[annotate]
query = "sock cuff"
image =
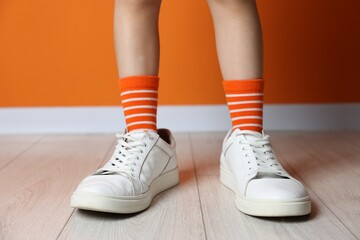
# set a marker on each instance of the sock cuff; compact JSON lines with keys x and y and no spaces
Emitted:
{"x":139,"y":82}
{"x":247,"y":85}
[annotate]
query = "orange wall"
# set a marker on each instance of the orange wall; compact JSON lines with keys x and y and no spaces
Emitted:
{"x":60,"y":53}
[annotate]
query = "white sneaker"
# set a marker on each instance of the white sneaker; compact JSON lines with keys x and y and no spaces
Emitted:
{"x":249,"y":167}
{"x":143,"y":164}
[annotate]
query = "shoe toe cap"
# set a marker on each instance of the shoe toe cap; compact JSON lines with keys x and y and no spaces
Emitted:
{"x":275,"y":189}
{"x":106,"y":185}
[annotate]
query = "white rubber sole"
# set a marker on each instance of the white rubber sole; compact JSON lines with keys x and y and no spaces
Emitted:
{"x":126,"y":204}
{"x":293,"y":207}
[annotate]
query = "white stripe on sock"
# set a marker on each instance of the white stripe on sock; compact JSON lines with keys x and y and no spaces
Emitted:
{"x":140,"y":115}
{"x":246,"y":117}
{"x":141,"y":122}
{"x":248,"y":125}
{"x":244,"y":95}
{"x":140,"y":106}
{"x":245,"y":110}
{"x":138,"y":99}
{"x":138,"y":91}
{"x":245,"y":102}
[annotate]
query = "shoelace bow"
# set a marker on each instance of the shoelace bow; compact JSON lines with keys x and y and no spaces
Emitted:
{"x":126,"y":155}
{"x":264,"y":156}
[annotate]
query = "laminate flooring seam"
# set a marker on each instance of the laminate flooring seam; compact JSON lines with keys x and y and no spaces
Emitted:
{"x":197,"y":183}
{"x":22,"y":152}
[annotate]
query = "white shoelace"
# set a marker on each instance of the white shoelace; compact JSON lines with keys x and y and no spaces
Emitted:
{"x":265,"y":158}
{"x":127,"y":154}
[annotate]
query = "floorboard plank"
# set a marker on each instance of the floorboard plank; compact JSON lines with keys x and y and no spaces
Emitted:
{"x":173,"y":214}
{"x":207,"y":149}
{"x":330,"y":165}
{"x":12,"y":146}
{"x":35,"y":188}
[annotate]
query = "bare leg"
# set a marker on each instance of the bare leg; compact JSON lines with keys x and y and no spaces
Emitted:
{"x":137,"y":48}
{"x":238,"y":38}
{"x":248,"y":148}
{"x":137,"y":37}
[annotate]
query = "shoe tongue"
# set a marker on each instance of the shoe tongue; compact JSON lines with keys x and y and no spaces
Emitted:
{"x":254,"y":136}
{"x":138,"y":134}
{"x":249,"y":135}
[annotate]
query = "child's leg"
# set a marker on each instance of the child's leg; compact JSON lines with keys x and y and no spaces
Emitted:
{"x":239,"y":48}
{"x":144,"y":161}
{"x":248,"y":164}
{"x":137,"y":50}
{"x":238,"y":38}
{"x":137,"y":37}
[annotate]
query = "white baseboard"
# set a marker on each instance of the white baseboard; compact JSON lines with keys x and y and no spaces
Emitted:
{"x":178,"y":118}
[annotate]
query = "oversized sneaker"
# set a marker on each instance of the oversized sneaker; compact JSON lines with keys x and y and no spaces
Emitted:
{"x":143,"y":164}
{"x":249,"y":167}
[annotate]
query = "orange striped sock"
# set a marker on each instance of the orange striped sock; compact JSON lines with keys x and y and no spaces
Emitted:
{"x":139,"y":95}
{"x":245,"y":103}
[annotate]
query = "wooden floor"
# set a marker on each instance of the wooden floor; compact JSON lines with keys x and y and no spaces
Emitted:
{"x":39,"y":172}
